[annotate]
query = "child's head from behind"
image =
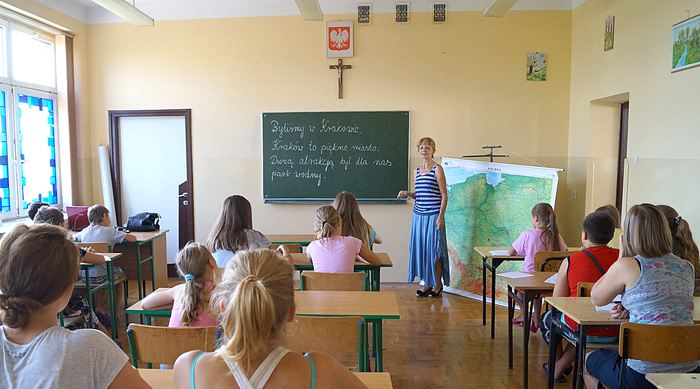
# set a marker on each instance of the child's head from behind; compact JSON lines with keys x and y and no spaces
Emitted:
{"x":346,"y":204}
{"x":34,"y":208}
{"x":353,"y":222}
{"x":49,"y":215}
{"x":237,"y":212}
{"x":228,"y":232}
{"x":192,"y":262}
{"x":600,"y":227}
{"x":646,"y":232}
{"x":38,"y":265}
{"x":256,"y":298}
{"x":327,"y":222}
{"x":612,"y":211}
{"x":97,"y":213}
{"x":544,"y":218}
{"x":683,"y":243}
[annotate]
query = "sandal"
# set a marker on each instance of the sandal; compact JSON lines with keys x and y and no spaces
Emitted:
{"x":423,"y":293}
{"x":432,"y":293}
{"x":557,"y":380}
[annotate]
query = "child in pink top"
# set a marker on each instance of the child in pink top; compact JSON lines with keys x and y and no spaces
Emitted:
{"x":543,"y":237}
{"x":332,"y":252}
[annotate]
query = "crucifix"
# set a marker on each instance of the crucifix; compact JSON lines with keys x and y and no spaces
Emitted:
{"x":340,"y":67}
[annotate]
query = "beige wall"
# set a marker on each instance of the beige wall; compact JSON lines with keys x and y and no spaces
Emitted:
{"x":463,"y":82}
{"x":663,"y":127}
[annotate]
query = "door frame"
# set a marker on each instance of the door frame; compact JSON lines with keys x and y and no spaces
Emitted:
{"x":115,"y":153}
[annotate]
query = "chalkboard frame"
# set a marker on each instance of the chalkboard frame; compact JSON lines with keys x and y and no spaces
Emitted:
{"x":326,"y":200}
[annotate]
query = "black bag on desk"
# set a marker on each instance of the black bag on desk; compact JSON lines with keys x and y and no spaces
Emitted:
{"x":142,"y":222}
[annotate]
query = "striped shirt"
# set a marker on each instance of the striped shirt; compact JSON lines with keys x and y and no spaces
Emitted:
{"x":428,"y":197}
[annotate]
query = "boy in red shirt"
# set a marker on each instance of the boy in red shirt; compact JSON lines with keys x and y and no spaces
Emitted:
{"x":587,"y":265}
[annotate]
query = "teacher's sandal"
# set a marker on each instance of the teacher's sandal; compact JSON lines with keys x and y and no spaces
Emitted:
{"x":423,"y":293}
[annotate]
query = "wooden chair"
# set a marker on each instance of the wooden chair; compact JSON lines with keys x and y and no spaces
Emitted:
{"x":91,"y":290}
{"x":655,"y":343}
{"x":311,"y":280}
{"x":293,"y":248}
{"x":583,"y":289}
{"x":550,"y":260}
{"x":696,"y":292}
{"x":156,"y":344}
{"x":343,"y":337}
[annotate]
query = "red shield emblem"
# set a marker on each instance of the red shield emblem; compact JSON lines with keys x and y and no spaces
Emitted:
{"x":339,"y":38}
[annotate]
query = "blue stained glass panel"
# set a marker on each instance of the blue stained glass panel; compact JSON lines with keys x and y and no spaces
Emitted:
{"x":38,"y":149}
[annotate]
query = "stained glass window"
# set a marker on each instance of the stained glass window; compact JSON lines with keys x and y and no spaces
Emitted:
{"x":37,"y":148}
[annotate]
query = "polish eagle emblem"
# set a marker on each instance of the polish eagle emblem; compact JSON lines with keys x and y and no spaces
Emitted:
{"x":339,"y":38}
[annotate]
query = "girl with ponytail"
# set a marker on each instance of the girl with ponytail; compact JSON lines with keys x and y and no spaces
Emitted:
{"x":544,"y":236}
{"x":256,"y":300}
{"x":190,"y":300}
{"x":332,"y":252}
{"x":683,"y":244}
{"x":38,"y":268}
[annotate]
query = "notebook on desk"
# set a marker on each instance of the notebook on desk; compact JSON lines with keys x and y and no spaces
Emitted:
{"x":77,"y":217}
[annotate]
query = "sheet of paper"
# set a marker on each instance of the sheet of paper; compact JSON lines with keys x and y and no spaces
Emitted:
{"x":552,"y":279}
{"x":514,"y":274}
{"x":499,"y":252}
{"x":610,"y":306}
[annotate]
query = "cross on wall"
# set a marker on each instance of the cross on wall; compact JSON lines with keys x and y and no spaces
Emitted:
{"x":340,"y":67}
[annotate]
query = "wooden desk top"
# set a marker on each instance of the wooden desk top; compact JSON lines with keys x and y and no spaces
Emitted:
{"x":370,"y":305}
{"x":301,"y":260}
{"x":582,"y":311}
{"x":674,"y":380}
{"x":142,"y":237}
{"x":536,"y":282}
{"x":162,"y":378}
{"x":485,"y":252}
{"x":303,"y":239}
{"x":136,"y":308}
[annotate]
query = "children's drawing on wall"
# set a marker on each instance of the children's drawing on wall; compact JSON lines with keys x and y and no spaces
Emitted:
{"x":536,"y":67}
{"x":686,"y":44}
{"x":609,"y":33}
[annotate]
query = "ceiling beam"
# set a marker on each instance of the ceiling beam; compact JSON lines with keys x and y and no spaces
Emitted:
{"x":498,"y":8}
{"x":126,"y":11}
{"x":309,"y":9}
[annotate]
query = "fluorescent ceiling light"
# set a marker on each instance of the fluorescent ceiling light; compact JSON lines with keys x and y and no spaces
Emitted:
{"x":126,"y":11}
{"x":310,"y":10}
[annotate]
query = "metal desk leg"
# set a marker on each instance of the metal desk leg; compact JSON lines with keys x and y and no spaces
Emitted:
{"x":554,"y":339}
{"x":138,"y":271}
{"x":153,"y":271}
{"x":582,"y":356}
{"x":528,"y":298}
{"x":511,"y":308}
{"x":111,"y":298}
{"x":379,"y":362}
{"x":495,"y":263}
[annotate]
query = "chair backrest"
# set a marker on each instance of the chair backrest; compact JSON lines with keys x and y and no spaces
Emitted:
{"x":656,"y":343}
{"x":583,"y":289}
{"x":550,"y":260}
{"x":342,"y":337}
{"x":696,"y":293}
{"x":99,"y":247}
{"x":156,"y":344}
{"x":293,"y":248}
{"x":311,"y":280}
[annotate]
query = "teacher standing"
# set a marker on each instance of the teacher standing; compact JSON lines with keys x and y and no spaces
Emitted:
{"x":428,"y":249}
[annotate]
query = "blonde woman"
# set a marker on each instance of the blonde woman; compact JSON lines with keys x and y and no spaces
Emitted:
{"x":256,"y":300}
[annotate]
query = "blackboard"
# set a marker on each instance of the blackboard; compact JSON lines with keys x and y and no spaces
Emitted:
{"x":309,"y":157}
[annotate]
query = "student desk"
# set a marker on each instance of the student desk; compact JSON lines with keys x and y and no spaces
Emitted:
{"x":302,"y":239}
{"x":163,"y":378}
{"x":583,"y":312}
{"x":301,"y":262}
{"x":149,"y":247}
{"x":496,"y":261}
{"x":372,"y":306}
{"x":674,"y":380}
{"x":531,"y":288}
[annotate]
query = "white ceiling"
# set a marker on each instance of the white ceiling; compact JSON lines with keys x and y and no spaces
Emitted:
{"x":89,"y":12}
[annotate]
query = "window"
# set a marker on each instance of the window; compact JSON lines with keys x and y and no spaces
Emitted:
{"x":28,"y":109}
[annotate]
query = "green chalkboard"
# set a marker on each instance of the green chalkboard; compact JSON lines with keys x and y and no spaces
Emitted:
{"x":309,"y":157}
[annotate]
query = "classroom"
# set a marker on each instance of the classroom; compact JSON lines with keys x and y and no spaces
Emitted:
{"x":463,"y":82}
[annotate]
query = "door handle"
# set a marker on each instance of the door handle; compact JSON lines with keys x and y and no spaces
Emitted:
{"x":183,"y":195}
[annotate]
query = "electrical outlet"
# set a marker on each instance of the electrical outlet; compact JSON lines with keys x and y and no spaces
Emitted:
{"x":574,"y":194}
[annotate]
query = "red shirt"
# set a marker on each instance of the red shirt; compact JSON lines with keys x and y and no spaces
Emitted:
{"x":582,"y":269}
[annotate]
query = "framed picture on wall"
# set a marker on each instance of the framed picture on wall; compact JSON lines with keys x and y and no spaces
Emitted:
{"x":537,"y":67}
{"x":609,"y":34}
{"x":339,"y":37}
{"x":685,"y":52}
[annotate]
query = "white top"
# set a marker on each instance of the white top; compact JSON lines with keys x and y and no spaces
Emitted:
{"x":262,"y":373}
{"x":96,"y":234}
{"x":256,"y":240}
{"x":59,"y":358}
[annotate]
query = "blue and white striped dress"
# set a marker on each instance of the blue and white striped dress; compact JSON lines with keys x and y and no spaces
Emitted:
{"x":428,"y":244}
